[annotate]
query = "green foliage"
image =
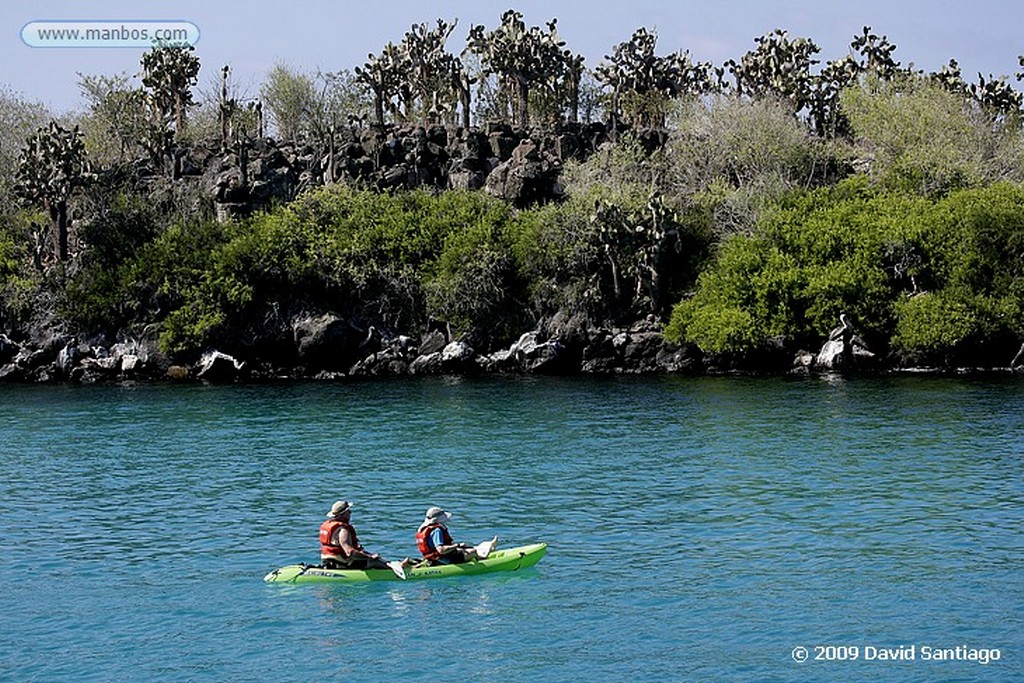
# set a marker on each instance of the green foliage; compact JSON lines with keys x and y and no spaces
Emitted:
{"x":927,"y":277}
{"x":289,"y":97}
{"x":170,"y":72}
{"x":975,"y":261}
{"x":820,"y":254}
{"x":395,"y":260}
{"x":387,"y":260}
{"x":167,"y":281}
{"x":303,"y":106}
{"x":21,"y":283}
{"x":736,"y":156}
{"x":99,"y":293}
{"x":474,"y":284}
{"x":117,"y":126}
{"x":614,"y":250}
{"x":935,"y":323}
{"x":14,"y":241}
{"x":918,"y":135}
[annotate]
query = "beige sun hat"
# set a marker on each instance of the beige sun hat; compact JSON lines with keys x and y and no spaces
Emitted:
{"x":436,"y":514}
{"x":339,"y":507}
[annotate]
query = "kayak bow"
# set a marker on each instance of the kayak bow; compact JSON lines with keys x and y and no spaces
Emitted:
{"x":508,"y":560}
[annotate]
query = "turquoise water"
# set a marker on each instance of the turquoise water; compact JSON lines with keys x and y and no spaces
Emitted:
{"x":699,"y":529}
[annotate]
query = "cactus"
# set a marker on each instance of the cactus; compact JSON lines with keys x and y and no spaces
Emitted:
{"x":877,"y":52}
{"x":433,"y":74}
{"x":951,"y":78}
{"x":825,"y":114}
{"x":777,"y":66}
{"x":50,"y":167}
{"x":170,"y":72}
{"x":522,"y":57}
{"x":996,"y":96}
{"x":383,"y":75}
{"x":636,"y":244}
{"x":633,"y":70}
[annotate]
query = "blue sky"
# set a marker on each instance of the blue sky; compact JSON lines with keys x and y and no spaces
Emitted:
{"x":984,"y":35}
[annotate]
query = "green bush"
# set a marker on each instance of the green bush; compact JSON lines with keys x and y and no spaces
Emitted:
{"x":920,"y":137}
{"x":934,"y":278}
{"x":935,"y":323}
{"x":166,"y":282}
{"x":21,"y":285}
{"x":737,"y":156}
{"x":975,"y":262}
{"x":474,"y":283}
{"x":618,"y":248}
{"x":819,"y":254}
{"x":390,"y":260}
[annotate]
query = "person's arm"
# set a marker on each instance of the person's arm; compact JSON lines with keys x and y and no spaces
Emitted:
{"x":345,"y":541}
{"x":437,"y":540}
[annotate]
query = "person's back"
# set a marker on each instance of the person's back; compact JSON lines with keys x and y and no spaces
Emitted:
{"x":435,"y":541}
{"x":340,"y":547}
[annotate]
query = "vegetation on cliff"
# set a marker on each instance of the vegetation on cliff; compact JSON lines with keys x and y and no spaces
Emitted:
{"x":767,"y":199}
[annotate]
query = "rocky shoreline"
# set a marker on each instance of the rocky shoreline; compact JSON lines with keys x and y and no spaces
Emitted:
{"x":325,"y":347}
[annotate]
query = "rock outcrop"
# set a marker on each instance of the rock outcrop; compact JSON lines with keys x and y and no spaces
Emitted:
{"x":519,"y":166}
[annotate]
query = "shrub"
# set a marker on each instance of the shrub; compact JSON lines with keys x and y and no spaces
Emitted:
{"x":389,"y":260}
{"x":942,"y":279}
{"x":817,"y":255}
{"x":920,"y":137}
{"x":738,"y":156}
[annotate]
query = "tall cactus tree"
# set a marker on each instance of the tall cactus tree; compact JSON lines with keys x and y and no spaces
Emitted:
{"x":431,"y":73}
{"x":637,"y":244}
{"x":877,"y":54}
{"x":633,"y":71}
{"x":951,"y":78}
{"x":170,"y":72}
{"x":574,"y":71}
{"x":996,"y":96}
{"x":777,"y":66}
{"x":461,"y":83}
{"x":52,"y":164}
{"x":521,"y":57}
{"x":383,"y":74}
{"x":825,"y":114}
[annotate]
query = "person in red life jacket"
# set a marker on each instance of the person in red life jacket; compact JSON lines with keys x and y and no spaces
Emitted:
{"x":340,"y":547}
{"x":435,"y":542}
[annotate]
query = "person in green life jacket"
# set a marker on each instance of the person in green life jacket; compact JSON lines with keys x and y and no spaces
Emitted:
{"x":340,"y":547}
{"x":435,"y":542}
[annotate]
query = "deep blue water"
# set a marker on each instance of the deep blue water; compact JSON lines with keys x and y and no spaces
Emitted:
{"x":698,"y":529}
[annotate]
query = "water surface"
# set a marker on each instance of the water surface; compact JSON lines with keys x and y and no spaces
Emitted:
{"x":699,"y":529}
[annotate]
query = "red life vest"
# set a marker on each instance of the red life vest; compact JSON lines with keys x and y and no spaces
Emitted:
{"x":423,"y":540}
{"x":327,"y":547}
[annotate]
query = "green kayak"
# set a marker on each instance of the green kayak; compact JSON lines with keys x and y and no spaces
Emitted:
{"x":509,"y":560}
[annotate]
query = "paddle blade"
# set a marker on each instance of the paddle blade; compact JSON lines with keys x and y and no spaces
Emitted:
{"x":486,"y":548}
{"x":397,"y":568}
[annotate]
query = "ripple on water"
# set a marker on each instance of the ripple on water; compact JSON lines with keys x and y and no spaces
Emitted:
{"x":701,"y":527}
